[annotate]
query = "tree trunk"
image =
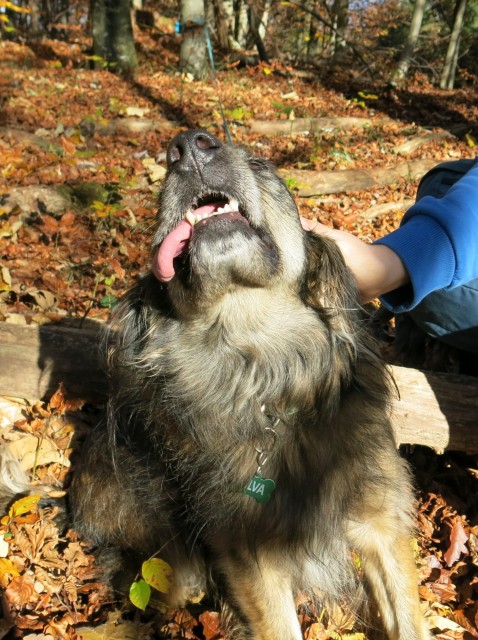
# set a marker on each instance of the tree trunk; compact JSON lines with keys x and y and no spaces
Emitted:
{"x":261,"y":50}
{"x":241,"y":26}
{"x":264,"y":21}
{"x":193,"y":56}
{"x":37,"y":28}
{"x":435,"y":410}
{"x":447,"y":79}
{"x":401,"y":71}
{"x":340,"y":16}
{"x":222,"y":18}
{"x":113,"y":40}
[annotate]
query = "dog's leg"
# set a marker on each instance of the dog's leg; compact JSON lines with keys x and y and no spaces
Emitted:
{"x":391,"y":573}
{"x":259,"y":588}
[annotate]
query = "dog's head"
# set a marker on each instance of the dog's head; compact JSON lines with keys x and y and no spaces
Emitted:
{"x":228,"y":223}
{"x":226,"y":219}
{"x":236,"y":276}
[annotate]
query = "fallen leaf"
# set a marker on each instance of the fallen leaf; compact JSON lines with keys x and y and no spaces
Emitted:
{"x":210,"y":622}
{"x":32,"y":451}
{"x":68,"y":146}
{"x":23,"y":505}
{"x":442,"y":624}
{"x":4,"y":546}
{"x":140,"y":594}
{"x":157,"y":573}
{"x":137,"y":111}
{"x":11,"y":410}
{"x":155,"y":171}
{"x":7,"y":571}
{"x":20,"y":591}
{"x":115,"y":629}
{"x":458,"y":540}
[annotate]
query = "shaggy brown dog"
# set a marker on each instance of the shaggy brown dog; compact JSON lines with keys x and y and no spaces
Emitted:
{"x":248,"y":437}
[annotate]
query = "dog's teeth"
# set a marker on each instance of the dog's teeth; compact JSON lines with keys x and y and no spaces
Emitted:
{"x":191,"y":218}
{"x":234,"y":205}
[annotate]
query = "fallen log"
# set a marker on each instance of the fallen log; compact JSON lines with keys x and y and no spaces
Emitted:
{"x":34,"y":359}
{"x":385,"y":208}
{"x":298,"y":126}
{"x":313,"y":183}
{"x":408,"y":147}
{"x":435,"y":410}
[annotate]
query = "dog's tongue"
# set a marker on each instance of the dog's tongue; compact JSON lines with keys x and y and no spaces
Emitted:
{"x":175,"y":244}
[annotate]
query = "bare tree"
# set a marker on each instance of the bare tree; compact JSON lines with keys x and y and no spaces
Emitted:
{"x":401,"y":71}
{"x":340,"y":16}
{"x":193,"y":57}
{"x":113,"y":40}
{"x":447,"y":79}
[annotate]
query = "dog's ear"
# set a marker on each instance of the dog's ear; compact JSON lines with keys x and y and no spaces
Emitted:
{"x":146,"y":304}
{"x":327,"y":283}
{"x":329,"y":288}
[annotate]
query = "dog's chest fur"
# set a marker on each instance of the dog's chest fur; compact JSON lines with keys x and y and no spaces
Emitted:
{"x":211,"y":375}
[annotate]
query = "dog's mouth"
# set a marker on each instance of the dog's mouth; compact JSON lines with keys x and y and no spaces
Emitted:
{"x":209,"y":208}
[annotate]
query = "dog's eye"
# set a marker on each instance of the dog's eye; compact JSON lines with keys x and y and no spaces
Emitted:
{"x":256,"y":164}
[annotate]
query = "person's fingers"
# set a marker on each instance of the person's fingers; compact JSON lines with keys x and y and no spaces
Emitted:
{"x":307,"y":224}
{"x":315,"y":226}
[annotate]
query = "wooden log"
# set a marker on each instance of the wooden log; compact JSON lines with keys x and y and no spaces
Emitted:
{"x":34,"y":359}
{"x":385,"y":208}
{"x":298,"y":126}
{"x":408,"y":147}
{"x":439,"y":411}
{"x":313,"y":183}
{"x":435,"y":410}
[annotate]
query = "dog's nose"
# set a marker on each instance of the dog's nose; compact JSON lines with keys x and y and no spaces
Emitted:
{"x":191,"y":150}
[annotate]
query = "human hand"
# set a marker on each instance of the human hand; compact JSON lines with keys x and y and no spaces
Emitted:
{"x":376,"y":268}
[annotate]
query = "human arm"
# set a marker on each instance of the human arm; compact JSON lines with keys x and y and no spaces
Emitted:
{"x":377,"y":269}
{"x":437,"y":245}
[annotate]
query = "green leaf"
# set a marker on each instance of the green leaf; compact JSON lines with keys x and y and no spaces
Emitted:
{"x":367,"y":96}
{"x":157,"y":573}
{"x":140,"y":594}
{"x":282,"y":108}
{"x":24,"y":505}
{"x":108,"y":302}
{"x":291,"y":183}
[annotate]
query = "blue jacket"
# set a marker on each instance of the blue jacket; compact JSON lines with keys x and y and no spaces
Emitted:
{"x":437,"y":242}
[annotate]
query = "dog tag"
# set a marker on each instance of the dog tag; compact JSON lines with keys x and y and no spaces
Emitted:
{"x":260,"y":488}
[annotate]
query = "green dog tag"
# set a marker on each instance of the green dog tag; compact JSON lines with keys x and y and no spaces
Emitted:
{"x":260,"y":489}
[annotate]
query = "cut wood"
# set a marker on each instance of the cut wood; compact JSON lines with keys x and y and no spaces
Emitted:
{"x":435,"y":410}
{"x":386,"y":208}
{"x":313,"y":183}
{"x":408,"y":147}
{"x":299,"y":126}
{"x":34,"y":359}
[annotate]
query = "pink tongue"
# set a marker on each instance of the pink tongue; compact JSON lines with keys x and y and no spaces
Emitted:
{"x":174,"y":244}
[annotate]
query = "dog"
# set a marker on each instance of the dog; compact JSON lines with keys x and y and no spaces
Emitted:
{"x":248,"y":439}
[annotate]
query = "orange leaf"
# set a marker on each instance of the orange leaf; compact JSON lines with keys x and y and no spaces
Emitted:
{"x":21,"y":591}
{"x":68,"y":147}
{"x":210,"y":623}
{"x":24,"y":505}
{"x":7,"y":571}
{"x":68,"y":218}
{"x":120,"y":272}
{"x":458,"y":538}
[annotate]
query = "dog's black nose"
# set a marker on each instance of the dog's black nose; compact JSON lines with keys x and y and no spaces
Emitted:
{"x":191,"y":150}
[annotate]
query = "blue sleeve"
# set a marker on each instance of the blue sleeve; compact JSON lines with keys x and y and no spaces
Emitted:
{"x":437,"y":242}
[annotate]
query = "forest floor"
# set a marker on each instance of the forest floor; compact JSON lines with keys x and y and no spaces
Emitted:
{"x":82,"y":156}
